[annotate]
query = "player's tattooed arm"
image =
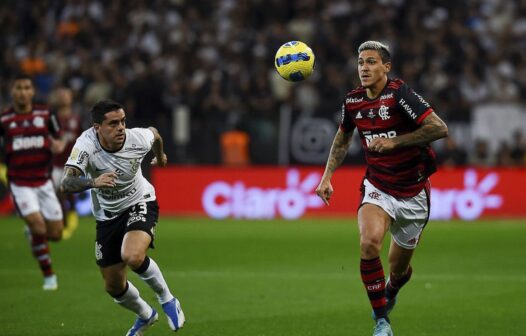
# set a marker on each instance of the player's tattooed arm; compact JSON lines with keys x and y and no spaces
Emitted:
{"x":74,"y":181}
{"x":431,"y":129}
{"x":339,"y":148}
{"x":160,"y":158}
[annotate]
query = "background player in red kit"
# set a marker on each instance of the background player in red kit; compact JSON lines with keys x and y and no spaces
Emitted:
{"x":61,"y":101}
{"x":27,"y":131}
{"x":395,"y":126}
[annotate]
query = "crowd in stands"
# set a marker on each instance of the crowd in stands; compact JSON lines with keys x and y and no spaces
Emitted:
{"x":214,"y":59}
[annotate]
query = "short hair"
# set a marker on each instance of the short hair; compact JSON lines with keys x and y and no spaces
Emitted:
{"x":382,"y":49}
{"x":22,"y":76}
{"x":101,"y":108}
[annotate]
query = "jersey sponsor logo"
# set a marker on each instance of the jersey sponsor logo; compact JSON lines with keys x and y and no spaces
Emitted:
{"x":134,"y":147}
{"x":12,"y":124}
{"x":387,"y":96}
{"x":22,"y":143}
{"x":407,"y":108}
{"x":82,"y":157}
{"x":383,"y":112}
{"x":387,"y":135}
{"x":421,"y":99}
{"x":113,"y":195}
{"x":358,"y":115}
{"x":353,"y":100}
{"x":38,"y":122}
{"x":375,"y":195}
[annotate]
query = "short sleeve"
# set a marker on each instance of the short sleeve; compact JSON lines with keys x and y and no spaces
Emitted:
{"x":79,"y":156}
{"x":145,"y":137}
{"x":413,"y":104}
{"x":346,"y":122}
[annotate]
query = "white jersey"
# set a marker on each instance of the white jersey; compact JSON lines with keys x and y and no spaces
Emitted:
{"x":131,"y":186}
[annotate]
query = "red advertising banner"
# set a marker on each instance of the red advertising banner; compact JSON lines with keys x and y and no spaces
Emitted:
{"x":269,"y":192}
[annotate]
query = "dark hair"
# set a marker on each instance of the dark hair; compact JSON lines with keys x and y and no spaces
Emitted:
{"x":382,"y":49}
{"x":101,"y":108}
{"x":22,"y":76}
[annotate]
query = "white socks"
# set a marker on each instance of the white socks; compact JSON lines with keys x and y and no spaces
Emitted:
{"x":132,"y":301}
{"x":154,"y":278}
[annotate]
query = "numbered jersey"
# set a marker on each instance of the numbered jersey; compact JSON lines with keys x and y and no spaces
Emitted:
{"x":93,"y":160}
{"x":27,"y":145}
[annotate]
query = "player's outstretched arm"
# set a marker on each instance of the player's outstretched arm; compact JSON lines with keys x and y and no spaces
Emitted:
{"x":160,"y":158}
{"x":73,"y":181}
{"x":339,"y":148}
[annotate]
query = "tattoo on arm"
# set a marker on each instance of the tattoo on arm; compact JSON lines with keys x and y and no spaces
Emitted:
{"x":339,"y":148}
{"x":431,"y":129}
{"x":73,"y":181}
{"x":157,"y":147}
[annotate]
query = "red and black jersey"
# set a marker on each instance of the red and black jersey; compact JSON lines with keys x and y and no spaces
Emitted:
{"x":396,"y":111}
{"x":26,"y":139}
{"x":70,"y":131}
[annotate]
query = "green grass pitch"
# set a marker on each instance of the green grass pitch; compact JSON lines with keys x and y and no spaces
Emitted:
{"x":278,"y":277}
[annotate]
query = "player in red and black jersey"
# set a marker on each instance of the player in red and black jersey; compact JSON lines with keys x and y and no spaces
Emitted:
{"x":30,"y":135}
{"x":396,"y":126}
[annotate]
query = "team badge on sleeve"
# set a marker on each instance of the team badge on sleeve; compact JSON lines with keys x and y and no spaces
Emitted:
{"x":74,"y":154}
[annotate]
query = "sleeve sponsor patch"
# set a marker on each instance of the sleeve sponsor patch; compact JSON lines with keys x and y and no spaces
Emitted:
{"x":83,"y":155}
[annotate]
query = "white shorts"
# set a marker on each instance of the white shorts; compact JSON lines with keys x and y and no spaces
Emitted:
{"x":410,"y":215}
{"x":56,"y":175}
{"x":43,"y":199}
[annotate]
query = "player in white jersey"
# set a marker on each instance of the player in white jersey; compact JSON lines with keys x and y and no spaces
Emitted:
{"x":107,"y":159}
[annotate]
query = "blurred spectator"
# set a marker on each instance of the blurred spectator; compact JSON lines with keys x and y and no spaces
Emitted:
{"x":481,"y":156}
{"x":234,"y":148}
{"x":215,"y":58}
{"x":518,"y":149}
{"x":452,"y":155}
{"x":504,"y":157}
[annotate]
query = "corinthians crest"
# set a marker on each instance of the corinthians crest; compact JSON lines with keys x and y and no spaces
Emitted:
{"x":383,"y":112}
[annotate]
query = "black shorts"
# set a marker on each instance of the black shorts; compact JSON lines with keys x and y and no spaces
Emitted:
{"x":141,"y":216}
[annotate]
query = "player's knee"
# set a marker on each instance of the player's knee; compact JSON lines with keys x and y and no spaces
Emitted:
{"x":133,"y":259}
{"x":370,"y":246}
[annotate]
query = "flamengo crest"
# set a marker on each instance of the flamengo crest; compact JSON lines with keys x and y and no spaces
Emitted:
{"x":383,"y":112}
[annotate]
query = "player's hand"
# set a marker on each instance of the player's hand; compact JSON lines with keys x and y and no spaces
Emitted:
{"x":106,"y":180}
{"x":324,"y":191}
{"x":160,"y":162}
{"x":57,"y":146}
{"x":382,"y":145}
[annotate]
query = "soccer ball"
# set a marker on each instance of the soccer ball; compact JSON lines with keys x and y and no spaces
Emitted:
{"x":294,"y":61}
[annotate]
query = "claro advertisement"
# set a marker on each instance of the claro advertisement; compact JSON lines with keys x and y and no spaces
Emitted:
{"x":271,"y":192}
